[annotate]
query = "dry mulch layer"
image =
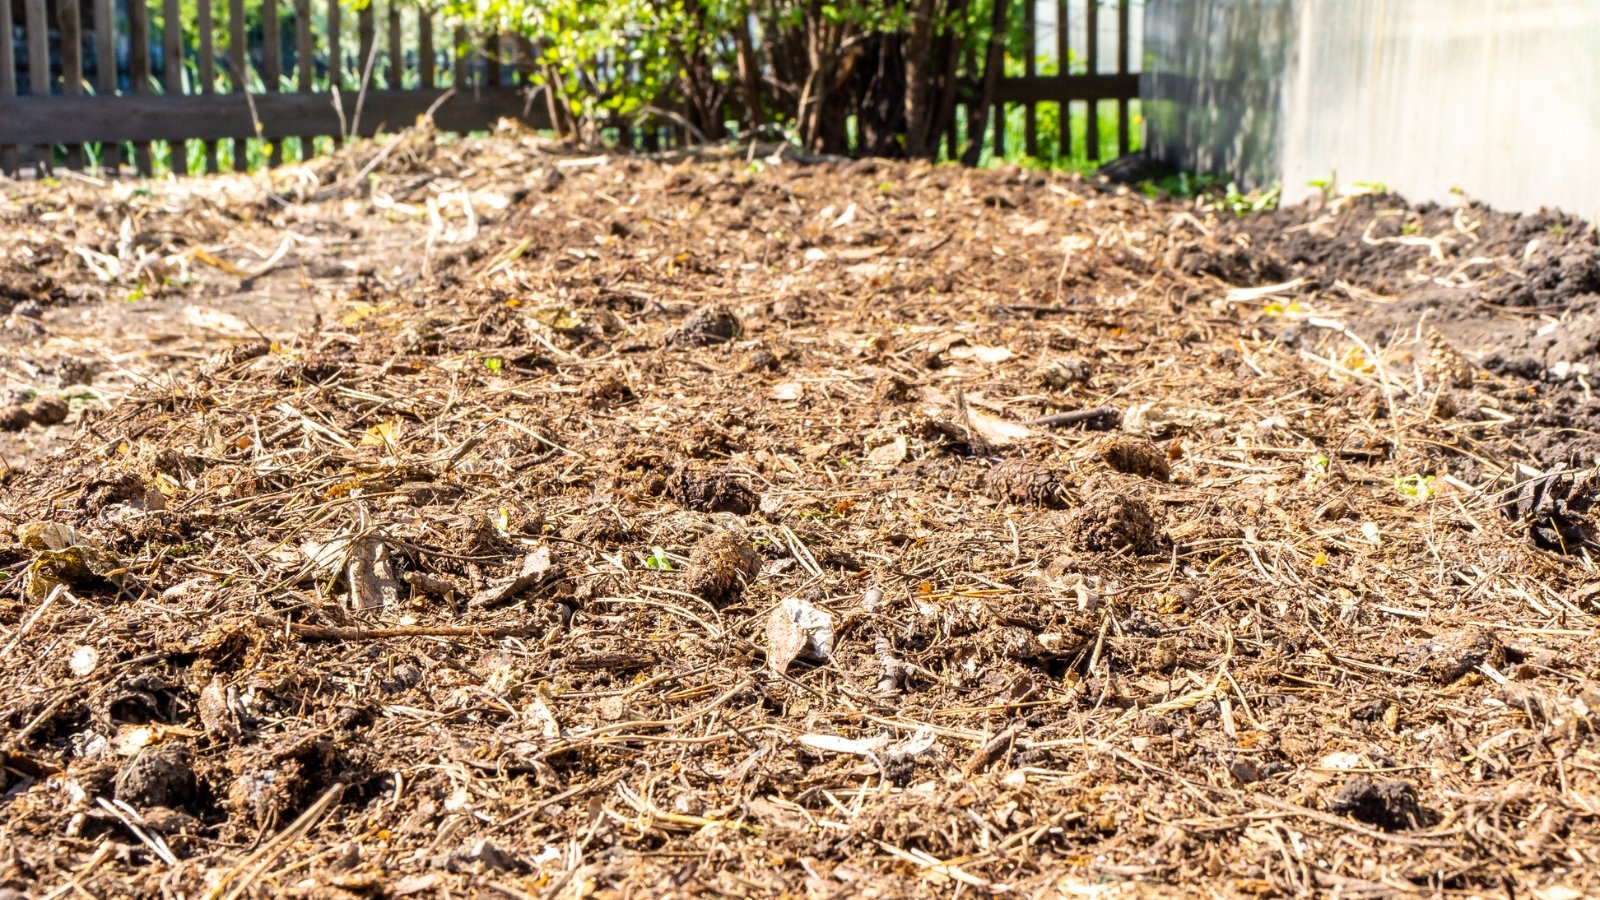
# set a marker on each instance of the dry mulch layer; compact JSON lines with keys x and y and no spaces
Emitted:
{"x":747,"y":526}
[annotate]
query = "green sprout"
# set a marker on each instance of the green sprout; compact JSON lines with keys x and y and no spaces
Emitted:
{"x":494,"y":364}
{"x":1415,"y":486}
{"x":1316,"y":468}
{"x":658,"y":560}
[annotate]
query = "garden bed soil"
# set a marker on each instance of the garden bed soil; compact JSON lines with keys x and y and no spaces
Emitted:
{"x":728,"y":524}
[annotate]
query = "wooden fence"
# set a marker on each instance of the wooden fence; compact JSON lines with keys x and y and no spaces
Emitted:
{"x":318,"y":83}
{"x":1092,"y":87}
{"x":112,"y":78}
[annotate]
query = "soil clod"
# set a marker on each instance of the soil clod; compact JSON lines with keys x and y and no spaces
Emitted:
{"x":1391,"y":805}
{"x":711,"y":324}
{"x":705,"y":487}
{"x":159,"y":775}
{"x":720,"y":566}
{"x":1026,"y":483}
{"x":1109,"y":521}
{"x":1134,"y":456}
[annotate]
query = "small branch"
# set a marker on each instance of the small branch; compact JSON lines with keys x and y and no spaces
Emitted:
{"x":1078,"y":417}
{"x":340,"y":633}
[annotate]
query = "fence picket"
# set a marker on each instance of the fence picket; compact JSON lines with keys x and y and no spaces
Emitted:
{"x":9,"y":158}
{"x":397,"y":50}
{"x":271,"y":64}
{"x":172,"y":83}
{"x":208,"y":68}
{"x":69,"y":24}
{"x":425,"y":60}
{"x":458,"y":53}
{"x":365,"y":62}
{"x":1030,"y":111}
{"x":38,"y":44}
{"x":1063,"y":69}
{"x":139,"y":71}
{"x":335,"y":48}
{"x":105,"y":73}
{"x":239,"y":62}
{"x":1091,"y":61}
{"x":1123,"y":39}
{"x":305,"y":65}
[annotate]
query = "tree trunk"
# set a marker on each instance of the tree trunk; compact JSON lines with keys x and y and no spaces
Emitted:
{"x":994,"y":62}
{"x":922,"y":141}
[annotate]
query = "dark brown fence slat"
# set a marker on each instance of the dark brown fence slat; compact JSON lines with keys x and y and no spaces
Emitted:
{"x":1063,"y":53}
{"x":208,"y":67}
{"x":9,"y":158}
{"x":335,"y":47}
{"x":38,"y":44}
{"x":365,"y":32}
{"x":105,"y":72}
{"x":271,"y":65}
{"x":139,"y":71}
{"x":1076,"y":87}
{"x":172,"y":83}
{"x":150,"y":117}
{"x":397,"y":50}
{"x":425,"y":58}
{"x":491,"y":60}
{"x":239,"y":62}
{"x":69,"y":23}
{"x":458,"y":52}
{"x":1030,"y":112}
{"x":1091,"y":60}
{"x":1123,"y":146}
{"x":305,"y":66}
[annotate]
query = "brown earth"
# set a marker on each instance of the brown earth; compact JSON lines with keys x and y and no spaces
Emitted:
{"x":712,"y":526}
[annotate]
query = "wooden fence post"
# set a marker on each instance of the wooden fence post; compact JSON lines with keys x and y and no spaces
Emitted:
{"x":305,"y":66}
{"x":239,"y":62}
{"x":9,"y":158}
{"x":38,"y":66}
{"x":1124,"y":147}
{"x":139,"y":71}
{"x":105,"y":74}
{"x":1091,"y":59}
{"x":271,"y":65}
{"x":69,"y":23}
{"x":208,"y":69}
{"x":172,"y":83}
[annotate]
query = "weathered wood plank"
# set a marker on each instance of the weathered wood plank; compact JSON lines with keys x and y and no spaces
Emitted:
{"x":69,"y":24}
{"x":335,"y":45}
{"x":1123,"y":38}
{"x":397,"y":49}
{"x":105,"y":72}
{"x":239,"y":62}
{"x":305,"y":66}
{"x":425,"y":60}
{"x":1091,"y":60}
{"x":272,"y":66}
{"x":150,"y":117}
{"x":1071,"y":87}
{"x":38,"y":44}
{"x":491,"y":60}
{"x":139,"y":71}
{"x":1030,"y":113}
{"x":205,"y":24}
{"x":458,"y":52}
{"x":10,"y":159}
{"x":368,"y":44}
{"x":1063,"y":54}
{"x":172,"y":80}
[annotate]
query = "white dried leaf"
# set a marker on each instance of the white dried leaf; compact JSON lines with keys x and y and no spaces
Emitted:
{"x":795,"y":630}
{"x":84,"y":661}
